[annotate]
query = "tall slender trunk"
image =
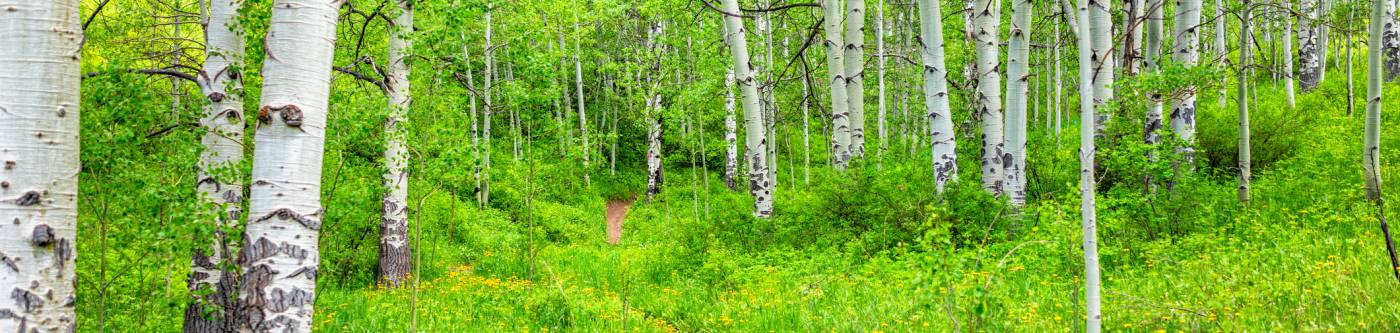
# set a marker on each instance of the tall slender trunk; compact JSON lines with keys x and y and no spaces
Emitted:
{"x":806,"y":127}
{"x":940,"y":115}
{"x":656,"y":176}
{"x":1351,"y":82}
{"x":836,"y":71}
{"x":475,"y":131}
{"x":855,"y":73}
{"x":395,"y":262}
{"x":582,"y":114}
{"x":1087,"y":209}
{"x":1309,"y":58}
{"x":282,"y":256}
{"x":1060,"y":71}
{"x":1245,"y":62}
{"x":759,"y":184}
{"x":42,"y":43}
{"x":987,"y":24}
{"x":1186,"y":51}
{"x":1324,"y":32}
{"x":1132,"y":40}
{"x":1371,"y":156}
{"x":484,"y":192}
{"x":731,"y":138}
{"x":1152,"y":125}
{"x":880,"y":77}
{"x":1221,"y":49}
{"x":1101,"y":39}
{"x":1018,"y":76}
{"x":1288,"y":53}
{"x":212,"y":283}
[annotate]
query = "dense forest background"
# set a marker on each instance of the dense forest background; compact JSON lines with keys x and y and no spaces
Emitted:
{"x":871,"y":247}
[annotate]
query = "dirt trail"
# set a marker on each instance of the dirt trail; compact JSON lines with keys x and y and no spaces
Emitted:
{"x":617,"y":211}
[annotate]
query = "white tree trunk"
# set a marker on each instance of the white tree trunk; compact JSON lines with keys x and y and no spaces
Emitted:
{"x":1288,"y":93}
{"x":940,"y":115}
{"x":1371,"y":152}
{"x":1309,"y":49}
{"x":855,"y":73}
{"x":1087,"y":210}
{"x":986,"y":25}
{"x":1060,"y":71}
{"x":880,"y":77}
{"x":582,"y":114}
{"x":1243,"y":102}
{"x":836,"y":71}
{"x":1186,"y":51}
{"x":1390,"y":39}
{"x":1101,"y":39}
{"x":731,"y":138}
{"x":484,"y":191}
{"x":1018,"y":76}
{"x":395,"y":262}
{"x":1152,"y":57}
{"x":759,"y":184}
{"x":39,"y":108}
{"x":806,"y":128}
{"x":281,"y":258}
{"x":1221,"y":49}
{"x":655,"y":173}
{"x":1324,"y":33}
{"x":475,"y":131}
{"x":211,"y":286}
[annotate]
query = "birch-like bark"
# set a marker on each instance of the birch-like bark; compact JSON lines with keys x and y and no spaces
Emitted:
{"x":1101,"y":38}
{"x":1221,"y":49}
{"x":582,"y":114}
{"x":1152,"y":56}
{"x":1324,"y":37}
{"x":1087,"y":208}
{"x":655,"y":173}
{"x":1390,"y":38}
{"x":281,"y":258}
{"x":40,"y":75}
{"x":806,"y":127}
{"x":1309,"y":58}
{"x":395,"y":261}
{"x":880,"y":77}
{"x":212,"y":284}
{"x":1060,"y":71}
{"x":731,"y":138}
{"x":1243,"y":102}
{"x":1347,"y":40}
{"x":1132,"y":40}
{"x":836,"y":71}
{"x":1018,"y":75}
{"x":855,"y":73}
{"x":475,"y":131}
{"x":986,"y":25}
{"x":755,"y":142}
{"x":940,"y":115}
{"x":1186,"y":51}
{"x":1288,"y":92}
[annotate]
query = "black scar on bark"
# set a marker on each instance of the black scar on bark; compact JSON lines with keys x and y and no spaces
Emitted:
{"x":283,"y":300}
{"x":288,"y":214}
{"x":28,"y":199}
{"x":216,"y":97}
{"x":254,"y":281}
{"x":26,"y":300}
{"x":42,"y":235}
{"x":290,"y":113}
{"x":64,"y":252}
{"x":9,"y":262}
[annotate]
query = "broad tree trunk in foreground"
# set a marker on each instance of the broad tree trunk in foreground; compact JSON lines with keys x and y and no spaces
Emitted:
{"x":42,"y":42}
{"x":1243,"y":102}
{"x":211,"y":283}
{"x":395,"y":262}
{"x":1087,"y":212}
{"x":731,"y":138}
{"x":1186,"y":51}
{"x":1371,"y":154}
{"x":281,"y":257}
{"x":940,"y":115}
{"x":755,"y":143}
{"x":855,"y":73}
{"x":836,"y":72}
{"x":1018,"y":75}
{"x":986,"y":25}
{"x":1390,"y":39}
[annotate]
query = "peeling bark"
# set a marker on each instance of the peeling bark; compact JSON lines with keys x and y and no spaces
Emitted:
{"x":281,"y":259}
{"x":42,"y":49}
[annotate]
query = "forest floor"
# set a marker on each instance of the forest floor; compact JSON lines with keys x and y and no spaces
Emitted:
{"x":617,"y":211}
